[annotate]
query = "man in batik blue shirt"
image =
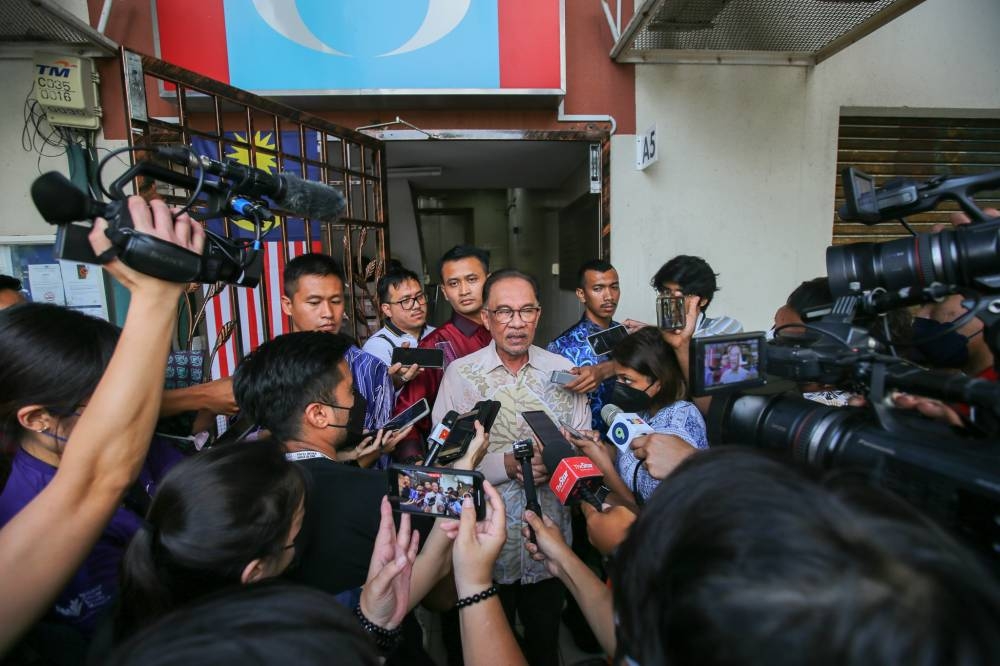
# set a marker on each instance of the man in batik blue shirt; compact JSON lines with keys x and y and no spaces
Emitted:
{"x":599,"y":292}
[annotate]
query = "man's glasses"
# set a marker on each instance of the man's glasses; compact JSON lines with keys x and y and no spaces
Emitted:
{"x":527,"y":314}
{"x":410,"y":302}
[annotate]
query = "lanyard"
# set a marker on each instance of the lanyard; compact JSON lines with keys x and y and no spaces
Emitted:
{"x":305,"y":455}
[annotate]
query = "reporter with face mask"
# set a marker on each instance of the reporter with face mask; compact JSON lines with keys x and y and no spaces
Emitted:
{"x":649,"y":383}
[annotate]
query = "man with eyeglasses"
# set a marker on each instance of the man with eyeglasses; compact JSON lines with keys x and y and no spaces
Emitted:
{"x":403,"y":302}
{"x":463,"y":272}
{"x":516,"y":373}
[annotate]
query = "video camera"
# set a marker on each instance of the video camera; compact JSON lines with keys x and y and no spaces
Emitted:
{"x":225,"y":188}
{"x":951,"y":473}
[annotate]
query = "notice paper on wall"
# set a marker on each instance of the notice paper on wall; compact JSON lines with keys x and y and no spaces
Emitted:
{"x":46,"y":284}
{"x":84,"y":288}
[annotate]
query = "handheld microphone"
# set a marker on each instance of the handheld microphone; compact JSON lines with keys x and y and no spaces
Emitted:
{"x":439,"y":436}
{"x":307,"y":198}
{"x":623,"y":427}
{"x":572,"y":477}
{"x":524,"y":451}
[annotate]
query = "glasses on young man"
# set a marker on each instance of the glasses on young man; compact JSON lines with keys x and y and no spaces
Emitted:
{"x":410,"y":302}
{"x":528,"y":314}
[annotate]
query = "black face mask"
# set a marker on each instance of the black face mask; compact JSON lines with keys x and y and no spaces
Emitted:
{"x":356,"y":417}
{"x":629,"y":399}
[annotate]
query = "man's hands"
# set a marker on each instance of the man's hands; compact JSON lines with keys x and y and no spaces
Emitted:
{"x":478,"y":447}
{"x":374,"y":447}
{"x":401,"y":374}
{"x":155,"y":220}
{"x":660,"y":453}
{"x":538,"y":470}
{"x":589,"y":377}
{"x":385,"y":597}
{"x":477,"y":545}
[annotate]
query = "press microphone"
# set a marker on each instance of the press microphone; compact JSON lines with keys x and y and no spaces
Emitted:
{"x":572,"y":477}
{"x":439,"y":436}
{"x":295,"y":195}
{"x":623,"y":426}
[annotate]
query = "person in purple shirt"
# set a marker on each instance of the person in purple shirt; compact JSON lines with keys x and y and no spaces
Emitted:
{"x":55,"y":357}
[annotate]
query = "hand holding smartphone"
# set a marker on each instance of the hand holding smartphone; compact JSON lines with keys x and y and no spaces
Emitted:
{"x":425,"y":358}
{"x":436,"y":492}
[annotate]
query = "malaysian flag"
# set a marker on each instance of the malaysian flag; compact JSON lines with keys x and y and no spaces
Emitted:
{"x":253,"y":331}
{"x":258,"y":310}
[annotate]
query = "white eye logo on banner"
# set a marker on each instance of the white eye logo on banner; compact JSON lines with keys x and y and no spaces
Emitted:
{"x":284,"y":18}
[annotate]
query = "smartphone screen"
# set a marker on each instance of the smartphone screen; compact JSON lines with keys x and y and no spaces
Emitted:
{"x":425,"y":358}
{"x":571,"y":430}
{"x":602,"y":343}
{"x":543,"y":427}
{"x":436,"y":492}
{"x":409,"y":416}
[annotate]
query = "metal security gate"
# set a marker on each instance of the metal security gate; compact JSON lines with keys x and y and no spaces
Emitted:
{"x":918,"y":149}
{"x":170,"y":105}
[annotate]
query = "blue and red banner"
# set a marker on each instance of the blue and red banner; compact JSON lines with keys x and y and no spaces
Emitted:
{"x":324,"y":46}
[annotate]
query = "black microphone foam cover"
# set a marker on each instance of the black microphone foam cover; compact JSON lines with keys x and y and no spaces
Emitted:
{"x":60,"y":201}
{"x":311,"y":199}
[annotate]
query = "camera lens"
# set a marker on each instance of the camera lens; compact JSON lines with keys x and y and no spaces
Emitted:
{"x":964,"y":256}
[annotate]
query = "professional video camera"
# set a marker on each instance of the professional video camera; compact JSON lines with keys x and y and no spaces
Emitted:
{"x":217,"y":189}
{"x":951,"y":473}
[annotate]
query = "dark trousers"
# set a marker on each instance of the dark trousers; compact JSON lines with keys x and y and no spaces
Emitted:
{"x":539,"y":606}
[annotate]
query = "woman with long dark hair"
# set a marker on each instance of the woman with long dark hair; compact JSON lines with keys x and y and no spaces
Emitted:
{"x":649,"y":383}
{"x":52,"y":403}
{"x":52,"y":359}
{"x":224,"y":517}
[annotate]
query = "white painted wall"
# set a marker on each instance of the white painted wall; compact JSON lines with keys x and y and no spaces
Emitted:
{"x":18,"y":168}
{"x":748,"y":153}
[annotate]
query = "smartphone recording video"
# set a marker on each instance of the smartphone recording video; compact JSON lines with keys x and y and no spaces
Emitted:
{"x":727,"y":362}
{"x":436,"y":492}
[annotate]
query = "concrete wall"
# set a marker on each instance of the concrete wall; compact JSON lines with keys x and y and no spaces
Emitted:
{"x":748,"y":153}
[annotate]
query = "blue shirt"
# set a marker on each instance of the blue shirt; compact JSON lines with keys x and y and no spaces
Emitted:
{"x":572,"y":344}
{"x":371,"y":379}
{"x":681,"y":419}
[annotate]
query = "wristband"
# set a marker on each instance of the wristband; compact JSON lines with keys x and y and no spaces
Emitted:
{"x":476,"y":598}
{"x":385,"y":639}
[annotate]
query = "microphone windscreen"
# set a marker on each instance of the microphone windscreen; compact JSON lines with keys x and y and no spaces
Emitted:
{"x":60,"y":201}
{"x":311,"y":199}
{"x":609,"y":412}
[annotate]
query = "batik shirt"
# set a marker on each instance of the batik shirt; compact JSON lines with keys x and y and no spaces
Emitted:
{"x":371,"y":378}
{"x":482,"y":376}
{"x":572,"y":344}
{"x":681,"y":419}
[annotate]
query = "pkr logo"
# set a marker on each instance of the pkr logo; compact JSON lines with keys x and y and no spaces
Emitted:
{"x":51,"y":70}
{"x":442,"y":17}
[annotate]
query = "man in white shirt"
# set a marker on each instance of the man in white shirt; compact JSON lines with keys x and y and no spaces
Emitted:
{"x":404,"y":305}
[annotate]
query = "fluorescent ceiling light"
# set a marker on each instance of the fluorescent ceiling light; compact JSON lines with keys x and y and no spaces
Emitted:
{"x":414,"y":172}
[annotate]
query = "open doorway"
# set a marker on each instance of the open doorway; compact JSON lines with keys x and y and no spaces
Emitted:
{"x":529,"y":202}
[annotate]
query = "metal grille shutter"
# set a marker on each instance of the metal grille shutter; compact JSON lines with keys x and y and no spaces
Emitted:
{"x":917,"y":148}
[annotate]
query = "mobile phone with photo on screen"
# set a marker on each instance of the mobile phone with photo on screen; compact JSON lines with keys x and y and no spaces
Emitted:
{"x":436,"y":492}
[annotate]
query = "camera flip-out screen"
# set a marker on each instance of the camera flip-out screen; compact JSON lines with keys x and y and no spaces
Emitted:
{"x":727,"y":362}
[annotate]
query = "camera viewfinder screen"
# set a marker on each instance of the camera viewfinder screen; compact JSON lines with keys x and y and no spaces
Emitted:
{"x":864,"y":193}
{"x":435,"y":493}
{"x":731,"y":362}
